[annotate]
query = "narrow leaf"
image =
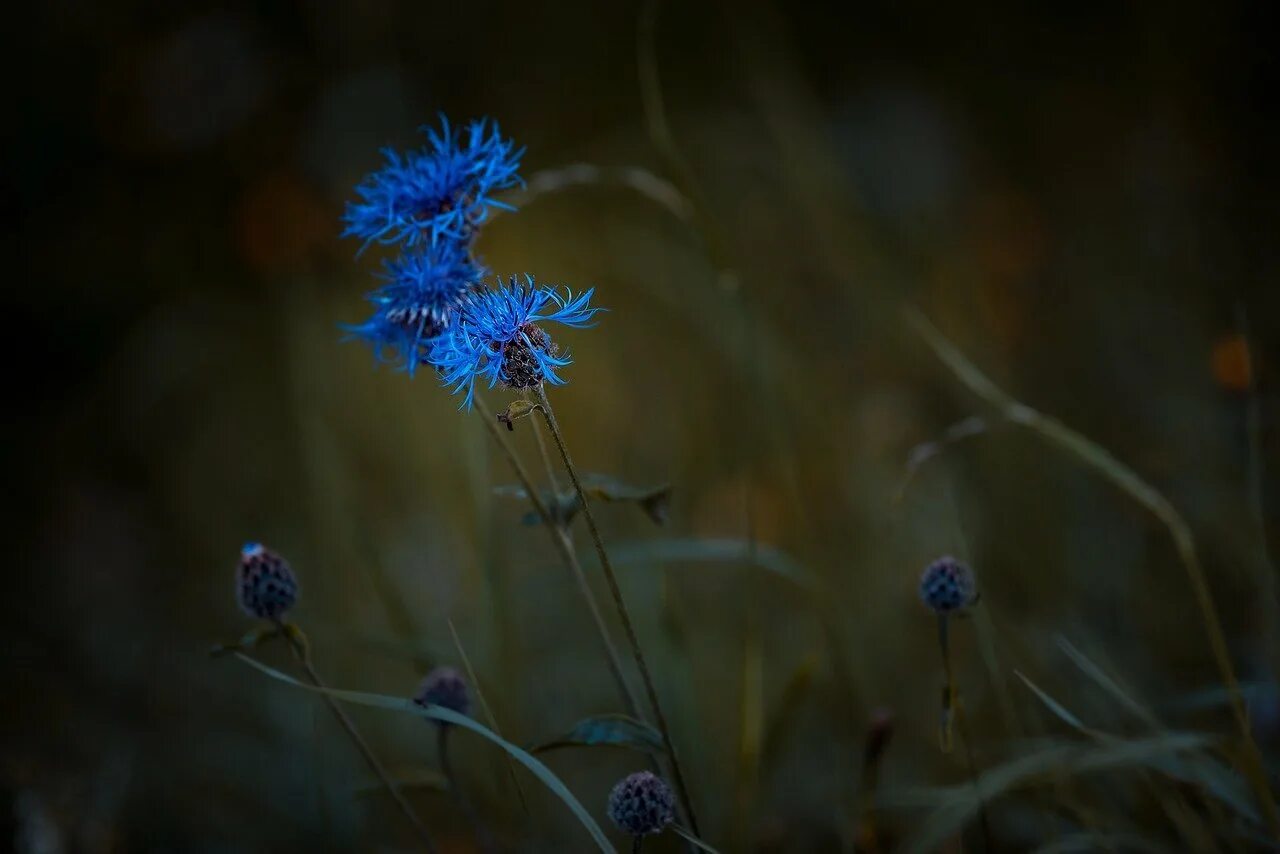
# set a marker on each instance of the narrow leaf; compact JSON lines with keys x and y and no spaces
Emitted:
{"x":957,"y":805}
{"x":688,"y":836}
{"x":609,"y":731}
{"x":439,"y":713}
{"x":1053,"y":705}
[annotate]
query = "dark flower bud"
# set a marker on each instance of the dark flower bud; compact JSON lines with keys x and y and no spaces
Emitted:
{"x":947,"y":586}
{"x":642,"y":803}
{"x":265,"y":585}
{"x":445,"y":687}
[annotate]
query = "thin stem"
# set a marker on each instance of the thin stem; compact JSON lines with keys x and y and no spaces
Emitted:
{"x":636,"y":842}
{"x":624,"y":615}
{"x":304,"y":658}
{"x":483,"y":839}
{"x":956,"y":710}
{"x":565,"y":547}
{"x":488,"y":711}
{"x":1099,"y":459}
{"x":552,"y":483}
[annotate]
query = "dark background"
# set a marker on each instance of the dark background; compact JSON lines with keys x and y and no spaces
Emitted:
{"x":1083,"y":197}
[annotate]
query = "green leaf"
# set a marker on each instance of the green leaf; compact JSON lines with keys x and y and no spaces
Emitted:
{"x":608,"y":731}
{"x":439,"y":713}
{"x":715,"y":550}
{"x":517,"y":410}
{"x":654,"y":501}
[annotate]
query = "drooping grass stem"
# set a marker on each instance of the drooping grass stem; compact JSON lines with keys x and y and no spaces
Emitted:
{"x":560,"y":539}
{"x":624,"y":615}
{"x":303,"y":655}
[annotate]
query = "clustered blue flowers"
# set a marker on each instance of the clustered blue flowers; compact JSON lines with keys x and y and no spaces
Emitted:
{"x":435,"y":307}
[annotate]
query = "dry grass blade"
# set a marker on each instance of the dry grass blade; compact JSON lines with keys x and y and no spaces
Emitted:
{"x":1128,"y":480}
{"x":1198,"y":769}
{"x":1059,"y":710}
{"x":956,"y":805}
{"x":1107,"y":684}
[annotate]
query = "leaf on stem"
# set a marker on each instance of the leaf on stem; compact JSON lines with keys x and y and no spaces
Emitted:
{"x":607,"y":731}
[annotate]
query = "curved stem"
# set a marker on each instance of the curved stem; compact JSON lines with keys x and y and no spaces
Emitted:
{"x":483,"y":839}
{"x":560,"y":539}
{"x":304,"y":658}
{"x":623,"y":614}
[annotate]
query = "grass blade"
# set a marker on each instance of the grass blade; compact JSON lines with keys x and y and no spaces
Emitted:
{"x":438,"y":713}
{"x":957,"y":805}
{"x":688,"y":836}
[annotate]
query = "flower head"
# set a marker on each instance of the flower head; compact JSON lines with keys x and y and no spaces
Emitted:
{"x":445,"y":687}
{"x":642,"y":803}
{"x":442,"y":190}
{"x":417,"y":304}
{"x":947,"y":585}
{"x":265,"y":585}
{"x":497,"y":336}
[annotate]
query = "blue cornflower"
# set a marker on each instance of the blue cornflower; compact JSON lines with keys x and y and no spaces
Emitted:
{"x":423,"y":291}
{"x":439,"y":191}
{"x":496,"y":336}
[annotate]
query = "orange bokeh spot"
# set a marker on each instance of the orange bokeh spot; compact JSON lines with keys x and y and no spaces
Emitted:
{"x":1231,"y":363}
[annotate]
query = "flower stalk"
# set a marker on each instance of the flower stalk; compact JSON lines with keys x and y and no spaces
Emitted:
{"x":560,"y":539}
{"x":624,"y":615}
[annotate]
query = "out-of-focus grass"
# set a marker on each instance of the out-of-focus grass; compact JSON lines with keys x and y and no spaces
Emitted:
{"x":1077,"y":238}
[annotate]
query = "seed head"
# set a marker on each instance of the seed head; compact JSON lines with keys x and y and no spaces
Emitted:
{"x":444,"y":686}
{"x":642,"y":803}
{"x":265,"y":585}
{"x":947,"y":585}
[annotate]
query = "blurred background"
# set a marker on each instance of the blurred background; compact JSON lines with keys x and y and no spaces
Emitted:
{"x":1083,"y":198}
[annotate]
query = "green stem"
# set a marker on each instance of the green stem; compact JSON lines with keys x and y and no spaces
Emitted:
{"x":1099,"y":459}
{"x":560,"y":539}
{"x":304,"y":658}
{"x":624,"y":615}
